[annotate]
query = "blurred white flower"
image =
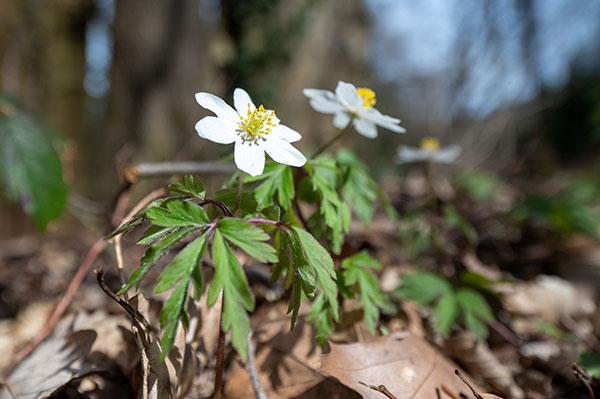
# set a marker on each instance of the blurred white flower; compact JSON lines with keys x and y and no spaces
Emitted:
{"x":428,"y":151}
{"x":253,"y":130}
{"x":351,"y":104}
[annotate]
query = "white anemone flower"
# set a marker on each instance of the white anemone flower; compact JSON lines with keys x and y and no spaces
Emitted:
{"x":253,"y":130}
{"x":429,"y":150}
{"x":349,"y":103}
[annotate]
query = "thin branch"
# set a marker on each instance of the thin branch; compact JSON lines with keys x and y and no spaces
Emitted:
{"x":467,"y":383}
{"x":259,"y":391}
{"x":581,"y":376}
{"x":134,"y":173}
{"x":335,"y":138}
{"x":380,"y":388}
{"x":60,"y":308}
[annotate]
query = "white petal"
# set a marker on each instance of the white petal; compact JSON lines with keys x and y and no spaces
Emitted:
{"x":215,"y":129}
{"x":249,"y":157}
{"x":323,"y":101}
{"x":447,"y":154}
{"x":241,"y":101}
{"x":385,"y":121}
{"x":286,"y":133}
{"x":341,"y":119}
{"x":348,"y":96}
{"x":318,"y":93}
{"x":216,"y":105}
{"x":283,"y":152}
{"x":410,"y":154}
{"x":366,"y":128}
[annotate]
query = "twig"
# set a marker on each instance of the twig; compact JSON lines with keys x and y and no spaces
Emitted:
{"x":380,"y":388}
{"x":259,"y":391}
{"x":117,"y":240}
{"x":449,"y":392}
{"x":134,"y":173}
{"x":220,"y":353}
{"x":62,"y":305}
{"x":581,"y":376}
{"x":467,"y":383}
{"x":335,"y":138}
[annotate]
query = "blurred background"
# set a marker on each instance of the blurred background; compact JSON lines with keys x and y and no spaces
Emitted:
{"x":516,"y":83}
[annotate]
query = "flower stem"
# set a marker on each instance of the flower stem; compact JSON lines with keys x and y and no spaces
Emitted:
{"x":328,"y":144}
{"x":238,"y":198}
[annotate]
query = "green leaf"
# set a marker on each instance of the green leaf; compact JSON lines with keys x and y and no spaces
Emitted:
{"x":590,"y":361}
{"x":423,"y":287}
{"x":30,"y":169}
{"x":228,"y":196}
{"x":276,"y":177}
{"x":188,"y":185}
{"x":359,"y":189}
{"x":358,"y":271}
{"x":138,"y":218}
{"x":322,"y":314}
{"x":170,"y":315}
{"x":237,"y":297}
{"x":248,"y":237}
{"x":476,"y":311}
{"x":183,"y":265}
{"x":445,"y":313}
{"x":153,"y":254}
{"x":320,"y":261}
{"x":155,"y":233}
{"x":178,"y":213}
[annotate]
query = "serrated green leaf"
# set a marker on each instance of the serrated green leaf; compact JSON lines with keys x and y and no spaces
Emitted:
{"x":248,"y":237}
{"x":302,"y":270}
{"x":138,"y":218}
{"x":476,"y":311}
{"x":445,"y":313}
{"x":155,"y":233}
{"x":230,"y":278}
{"x":153,"y":254}
{"x":30,"y":169}
{"x":322,"y":314}
{"x":228,"y":196}
{"x":273,"y":212}
{"x":188,"y":185}
{"x":178,"y":213}
{"x":170,"y":316}
{"x":358,"y":271}
{"x":127,"y":226}
{"x":286,"y":190}
{"x":423,"y":287}
{"x":183,"y":265}
{"x":320,"y":261}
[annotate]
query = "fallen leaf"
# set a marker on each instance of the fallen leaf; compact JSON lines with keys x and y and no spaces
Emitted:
{"x":547,"y":297}
{"x":408,"y":367}
{"x":56,"y":361}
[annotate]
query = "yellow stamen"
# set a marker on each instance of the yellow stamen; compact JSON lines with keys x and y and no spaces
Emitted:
{"x":256,"y":124}
{"x":430,"y":143}
{"x":368,"y":96}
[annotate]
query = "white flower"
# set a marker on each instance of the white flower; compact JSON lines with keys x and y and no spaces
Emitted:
{"x":349,"y":103}
{"x":429,"y":151}
{"x":253,"y":130}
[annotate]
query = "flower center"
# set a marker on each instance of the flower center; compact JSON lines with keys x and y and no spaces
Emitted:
{"x":256,"y":125}
{"x":429,"y":143}
{"x":368,"y":96}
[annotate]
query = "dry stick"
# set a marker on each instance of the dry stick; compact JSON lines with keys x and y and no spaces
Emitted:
{"x":449,"y":392}
{"x":62,"y":305}
{"x":467,"y":383}
{"x":134,"y":173}
{"x":380,"y":388}
{"x":577,"y":371}
{"x":259,"y":391}
{"x":220,"y":353}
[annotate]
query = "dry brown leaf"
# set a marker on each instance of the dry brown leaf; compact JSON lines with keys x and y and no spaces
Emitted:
{"x":548,"y":297}
{"x":477,"y":357}
{"x":286,"y":362}
{"x":56,"y":361}
{"x":408,"y":366}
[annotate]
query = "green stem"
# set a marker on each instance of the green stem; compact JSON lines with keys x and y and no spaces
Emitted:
{"x":334,"y":139}
{"x":238,"y":198}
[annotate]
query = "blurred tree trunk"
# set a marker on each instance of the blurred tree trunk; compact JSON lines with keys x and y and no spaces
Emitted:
{"x":42,"y":64}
